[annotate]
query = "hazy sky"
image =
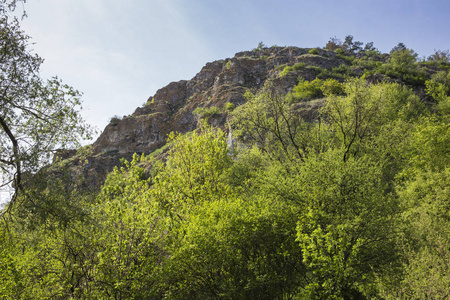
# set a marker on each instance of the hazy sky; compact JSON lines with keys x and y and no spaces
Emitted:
{"x":119,"y":52}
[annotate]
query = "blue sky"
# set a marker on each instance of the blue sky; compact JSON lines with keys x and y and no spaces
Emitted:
{"x":119,"y":52}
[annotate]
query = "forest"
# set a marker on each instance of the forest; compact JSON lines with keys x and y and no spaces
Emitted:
{"x":352,"y":205}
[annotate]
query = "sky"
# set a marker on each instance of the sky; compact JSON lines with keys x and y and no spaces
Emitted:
{"x":120,"y":52}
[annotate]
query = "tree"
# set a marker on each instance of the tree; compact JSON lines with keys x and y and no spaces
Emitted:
{"x":425,"y":241}
{"x":440,"y":57}
{"x":359,"y":117}
{"x":402,"y":64}
{"x":37,"y":116}
{"x":351,"y":46}
{"x":268,"y":121}
{"x":194,"y":171}
{"x":333,"y":44}
{"x":346,"y":231}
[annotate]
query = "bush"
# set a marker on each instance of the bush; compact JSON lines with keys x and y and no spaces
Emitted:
{"x":297,"y":67}
{"x":206,"y":112}
{"x":342,"y":71}
{"x":115,"y":120}
{"x":339,"y":51}
{"x":313,"y":51}
{"x":333,"y":44}
{"x":331,"y":87}
{"x":229,"y":106}
{"x":402,"y":64}
{"x":307,"y":89}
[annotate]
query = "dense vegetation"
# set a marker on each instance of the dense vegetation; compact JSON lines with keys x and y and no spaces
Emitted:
{"x":354,"y":205}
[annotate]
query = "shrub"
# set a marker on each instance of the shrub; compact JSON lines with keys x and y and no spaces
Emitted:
{"x":229,"y":106}
{"x":402,"y":64}
{"x":206,"y":112}
{"x":248,"y":95}
{"x":331,"y":87}
{"x":286,"y":70}
{"x":313,"y":51}
{"x":333,"y":44}
{"x":297,"y":67}
{"x":440,"y":56}
{"x":260,"y":47}
{"x":115,"y":120}
{"x":339,"y":51}
{"x":343,"y":71}
{"x":316,"y":69}
{"x":307,"y":89}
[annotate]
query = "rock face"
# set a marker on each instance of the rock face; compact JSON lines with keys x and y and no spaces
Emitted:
{"x":219,"y":82}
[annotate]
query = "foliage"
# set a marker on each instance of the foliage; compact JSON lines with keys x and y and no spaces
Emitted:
{"x":267,"y":121}
{"x":440,"y":57}
{"x":341,"y":72}
{"x":12,"y":279}
{"x":193,"y":172}
{"x":236,"y":249}
{"x":115,"y":120}
{"x":349,"y":47}
{"x":296,"y":67}
{"x":438,"y":87}
{"x":229,"y":106}
{"x":130,"y":235}
{"x":260,"y":47}
{"x":425,"y":244}
{"x":333,"y":44}
{"x":402,"y":64}
{"x":313,"y":51}
{"x":307,"y":89}
{"x":347,"y":229}
{"x":331,"y":87}
{"x":206,"y":112}
{"x":37,"y":116}
{"x":358,"y":117}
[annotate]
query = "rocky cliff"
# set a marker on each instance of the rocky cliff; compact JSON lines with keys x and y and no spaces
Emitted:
{"x":172,"y":107}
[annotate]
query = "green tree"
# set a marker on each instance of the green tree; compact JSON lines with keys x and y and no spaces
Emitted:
{"x":12,"y":278}
{"x":269,"y":121}
{"x":237,"y":249}
{"x":225,"y":242}
{"x":402,"y":64}
{"x":438,"y":87}
{"x":36,"y":115}
{"x":347,"y":227}
{"x":425,"y":241}
{"x":351,"y":46}
{"x":130,"y":236}
{"x":194,"y":171}
{"x":359,"y":117}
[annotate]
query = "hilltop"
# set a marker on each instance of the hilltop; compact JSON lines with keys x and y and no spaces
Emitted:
{"x":213,"y":93}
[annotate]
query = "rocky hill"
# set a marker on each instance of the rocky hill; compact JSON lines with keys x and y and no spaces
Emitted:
{"x":211,"y":90}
